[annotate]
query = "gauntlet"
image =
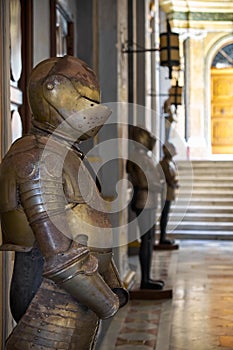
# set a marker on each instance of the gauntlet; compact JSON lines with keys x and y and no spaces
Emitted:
{"x":79,"y":276}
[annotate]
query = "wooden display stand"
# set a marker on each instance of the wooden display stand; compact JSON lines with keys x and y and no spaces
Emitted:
{"x":166,"y":246}
{"x":148,"y":294}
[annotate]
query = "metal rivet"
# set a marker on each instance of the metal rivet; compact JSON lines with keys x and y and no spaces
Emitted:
{"x":50,"y":86}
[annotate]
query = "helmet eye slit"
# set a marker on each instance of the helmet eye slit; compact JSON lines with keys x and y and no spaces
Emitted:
{"x":93,"y":101}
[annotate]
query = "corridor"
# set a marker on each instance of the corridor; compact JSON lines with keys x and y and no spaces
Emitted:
{"x":200,"y":314}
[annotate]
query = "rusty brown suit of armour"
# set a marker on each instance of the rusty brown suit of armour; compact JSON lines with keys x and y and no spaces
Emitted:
{"x":46,"y":203}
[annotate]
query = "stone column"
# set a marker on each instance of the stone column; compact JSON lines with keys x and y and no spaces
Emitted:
{"x":197,"y":142}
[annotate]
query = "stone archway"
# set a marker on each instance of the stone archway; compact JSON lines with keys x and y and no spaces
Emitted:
{"x":211,"y":54}
{"x":222,"y":101}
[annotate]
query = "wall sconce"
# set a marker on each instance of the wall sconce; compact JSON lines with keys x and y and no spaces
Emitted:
{"x":175,"y":95}
{"x":169,"y":49}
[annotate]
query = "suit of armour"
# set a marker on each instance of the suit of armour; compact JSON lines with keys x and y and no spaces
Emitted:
{"x":52,"y":215}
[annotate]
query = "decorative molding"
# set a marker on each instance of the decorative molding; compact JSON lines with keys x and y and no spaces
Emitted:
{"x":201,"y":16}
{"x":169,"y":6}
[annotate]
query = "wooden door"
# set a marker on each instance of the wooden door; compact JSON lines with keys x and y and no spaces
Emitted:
{"x":222,"y":110}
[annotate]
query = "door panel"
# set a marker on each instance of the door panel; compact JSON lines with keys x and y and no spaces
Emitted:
{"x":222,"y":110}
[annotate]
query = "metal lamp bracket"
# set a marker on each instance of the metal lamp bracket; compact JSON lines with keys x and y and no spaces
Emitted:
{"x":128,"y":49}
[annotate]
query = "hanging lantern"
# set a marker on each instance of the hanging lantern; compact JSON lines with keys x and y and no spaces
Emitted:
{"x":175,"y":95}
{"x":169,"y":49}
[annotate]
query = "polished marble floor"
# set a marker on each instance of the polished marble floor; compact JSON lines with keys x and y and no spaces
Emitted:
{"x":199,"y":316}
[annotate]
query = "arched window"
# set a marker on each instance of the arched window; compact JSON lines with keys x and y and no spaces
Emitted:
{"x":224,"y":57}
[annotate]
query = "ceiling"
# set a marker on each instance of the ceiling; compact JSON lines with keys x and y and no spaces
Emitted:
{"x":199,"y":14}
{"x":224,"y":6}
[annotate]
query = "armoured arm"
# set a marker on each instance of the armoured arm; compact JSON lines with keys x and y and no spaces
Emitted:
{"x":67,"y":263}
{"x":170,"y":175}
{"x":110,"y":274}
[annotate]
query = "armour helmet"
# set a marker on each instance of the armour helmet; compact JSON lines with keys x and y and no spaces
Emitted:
{"x":64,"y":97}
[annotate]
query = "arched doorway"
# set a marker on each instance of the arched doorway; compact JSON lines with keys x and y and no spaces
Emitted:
{"x":222,"y":101}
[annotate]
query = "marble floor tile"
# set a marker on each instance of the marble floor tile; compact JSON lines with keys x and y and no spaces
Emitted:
{"x":200,"y":314}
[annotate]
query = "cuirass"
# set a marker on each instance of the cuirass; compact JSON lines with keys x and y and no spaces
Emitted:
{"x":145,"y":179}
{"x":57,"y":179}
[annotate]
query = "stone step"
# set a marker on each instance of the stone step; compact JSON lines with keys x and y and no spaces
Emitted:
{"x":206,"y":226}
{"x":211,"y":170}
{"x":204,"y":164}
{"x":201,"y":217}
{"x":192,"y":234}
{"x":206,"y":185}
{"x":203,"y":191}
{"x":205,"y":178}
{"x":213,"y":175}
{"x":217,"y":209}
{"x":206,"y":201}
{"x":209,"y":165}
{"x":200,"y":189}
{"x":196,"y":193}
